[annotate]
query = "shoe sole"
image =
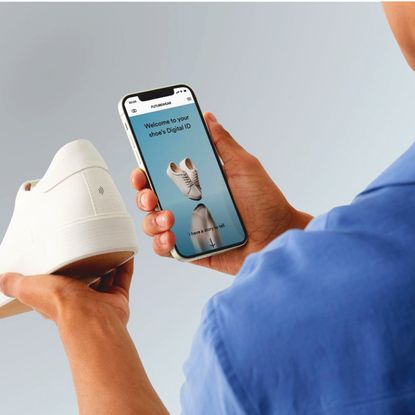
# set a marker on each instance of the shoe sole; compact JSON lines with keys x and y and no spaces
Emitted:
{"x":86,"y":250}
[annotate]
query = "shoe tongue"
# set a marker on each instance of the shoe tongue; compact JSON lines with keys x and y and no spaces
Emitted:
{"x":71,"y":158}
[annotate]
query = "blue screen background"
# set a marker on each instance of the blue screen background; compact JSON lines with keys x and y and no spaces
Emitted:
{"x":159,"y":151}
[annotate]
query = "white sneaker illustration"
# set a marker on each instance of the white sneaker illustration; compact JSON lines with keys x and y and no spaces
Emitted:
{"x":204,"y":231}
{"x":184,"y":183}
{"x":72,"y":221}
{"x":191,"y":170}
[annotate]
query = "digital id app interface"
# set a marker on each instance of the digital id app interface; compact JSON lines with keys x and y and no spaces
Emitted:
{"x":185,"y":173}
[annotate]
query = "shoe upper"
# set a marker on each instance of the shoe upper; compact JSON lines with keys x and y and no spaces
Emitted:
{"x":182,"y":180}
{"x":202,"y":215}
{"x":188,"y":166}
{"x":76,"y":187}
{"x":203,"y":220}
{"x":71,"y":158}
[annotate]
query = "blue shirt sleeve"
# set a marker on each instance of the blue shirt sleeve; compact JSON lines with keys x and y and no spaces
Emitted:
{"x":211,"y":384}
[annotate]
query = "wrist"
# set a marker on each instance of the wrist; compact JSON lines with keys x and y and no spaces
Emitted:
{"x":77,"y":317}
{"x":298,"y":220}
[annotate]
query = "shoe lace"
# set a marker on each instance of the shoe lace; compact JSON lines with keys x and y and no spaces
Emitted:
{"x":196,"y":178}
{"x":187,"y":179}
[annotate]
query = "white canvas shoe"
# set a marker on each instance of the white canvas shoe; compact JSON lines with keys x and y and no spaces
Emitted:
{"x":191,"y":170}
{"x":204,"y":231}
{"x":72,"y":221}
{"x":184,"y":183}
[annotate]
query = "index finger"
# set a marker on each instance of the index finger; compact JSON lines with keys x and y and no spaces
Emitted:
{"x":38,"y":291}
{"x":139,"y":179}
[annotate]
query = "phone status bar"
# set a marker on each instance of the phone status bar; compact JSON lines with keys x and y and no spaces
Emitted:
{"x":181,"y":96}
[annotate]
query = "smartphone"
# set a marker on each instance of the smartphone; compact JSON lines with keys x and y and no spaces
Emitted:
{"x":173,"y":147}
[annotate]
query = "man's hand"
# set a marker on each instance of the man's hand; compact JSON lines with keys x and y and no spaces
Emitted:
{"x":60,"y":298}
{"x":264,"y":209}
{"x":108,"y":375}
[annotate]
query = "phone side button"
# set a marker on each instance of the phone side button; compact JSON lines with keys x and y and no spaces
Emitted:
{"x":140,"y":163}
{"x":138,"y":157}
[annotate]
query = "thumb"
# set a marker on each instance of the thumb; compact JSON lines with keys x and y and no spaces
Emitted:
{"x":225,"y":144}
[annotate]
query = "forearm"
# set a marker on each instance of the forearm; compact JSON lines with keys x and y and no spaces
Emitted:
{"x":108,"y":375}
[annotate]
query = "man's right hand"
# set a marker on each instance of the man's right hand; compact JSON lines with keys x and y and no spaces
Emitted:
{"x":264,"y":210}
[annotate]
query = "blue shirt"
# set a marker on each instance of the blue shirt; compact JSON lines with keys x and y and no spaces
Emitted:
{"x":322,"y":321}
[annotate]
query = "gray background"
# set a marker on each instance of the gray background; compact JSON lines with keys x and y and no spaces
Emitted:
{"x":319,"y":92}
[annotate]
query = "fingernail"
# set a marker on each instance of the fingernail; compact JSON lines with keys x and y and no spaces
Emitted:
{"x":163,"y":239}
{"x":212,"y":117}
{"x":142,"y":199}
{"x":161,"y":220}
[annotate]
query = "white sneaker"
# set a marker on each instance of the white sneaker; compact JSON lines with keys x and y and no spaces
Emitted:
{"x":204,"y":231}
{"x":191,"y":170}
{"x":182,"y":180}
{"x":72,"y":221}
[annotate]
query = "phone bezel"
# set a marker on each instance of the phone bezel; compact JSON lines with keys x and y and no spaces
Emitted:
{"x":164,"y":92}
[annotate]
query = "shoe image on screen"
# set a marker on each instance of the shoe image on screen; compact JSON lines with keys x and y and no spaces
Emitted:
{"x":172,"y":145}
{"x":205,"y":234}
{"x":186,"y":179}
{"x":188,"y":166}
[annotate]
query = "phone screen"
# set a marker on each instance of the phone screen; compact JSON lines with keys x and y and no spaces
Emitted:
{"x":184,"y":170}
